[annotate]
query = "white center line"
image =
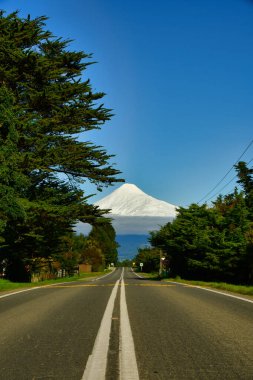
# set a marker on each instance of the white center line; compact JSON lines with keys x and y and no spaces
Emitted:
{"x":127,"y":358}
{"x":96,"y":364}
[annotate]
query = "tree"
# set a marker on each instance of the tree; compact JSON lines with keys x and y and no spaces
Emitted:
{"x":11,"y":180}
{"x":245,"y":176}
{"x":149,"y":257}
{"x":104,"y":235}
{"x":47,"y":109}
{"x":213,"y":243}
{"x":209,"y":243}
{"x":125,"y":263}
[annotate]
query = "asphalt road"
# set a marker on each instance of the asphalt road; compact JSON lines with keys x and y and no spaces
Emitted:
{"x":178,"y":332}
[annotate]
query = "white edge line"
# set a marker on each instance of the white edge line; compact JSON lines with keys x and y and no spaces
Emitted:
{"x":127,"y":358}
{"x":137,"y":274}
{"x":49,"y":285}
{"x":107,"y":274}
{"x":96,"y":365}
{"x":21,"y":291}
{"x":213,"y":291}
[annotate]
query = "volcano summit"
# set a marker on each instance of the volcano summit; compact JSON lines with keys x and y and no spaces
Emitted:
{"x":134,"y":212}
{"x":129,"y":201}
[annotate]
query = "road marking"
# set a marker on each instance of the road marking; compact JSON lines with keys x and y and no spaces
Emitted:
{"x":136,"y":274}
{"x":96,"y":364}
{"x":108,"y":285}
{"x":99,"y":278}
{"x":225,"y":294}
{"x":127,"y":358}
{"x":213,"y":291}
{"x":19,"y":291}
{"x":51,"y":285}
{"x":73,"y":286}
{"x":159,"y":285}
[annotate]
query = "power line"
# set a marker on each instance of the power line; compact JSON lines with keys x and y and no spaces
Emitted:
{"x":222,"y":179}
{"x":218,"y":192}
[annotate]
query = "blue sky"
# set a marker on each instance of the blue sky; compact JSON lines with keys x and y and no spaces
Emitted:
{"x":178,"y":75}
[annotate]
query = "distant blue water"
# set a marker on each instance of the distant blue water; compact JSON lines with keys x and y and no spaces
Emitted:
{"x":129,"y":245}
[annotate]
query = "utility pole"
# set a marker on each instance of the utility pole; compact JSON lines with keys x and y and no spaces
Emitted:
{"x":162,"y":258}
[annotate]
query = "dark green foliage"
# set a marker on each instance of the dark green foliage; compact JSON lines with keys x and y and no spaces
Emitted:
{"x":53,"y":104}
{"x":150,"y":258}
{"x":125,"y":263}
{"x":104,"y":235}
{"x":212,"y":243}
{"x":245,"y":176}
{"x":45,"y":108}
{"x":70,"y":252}
{"x":99,"y":248}
{"x":12,"y":181}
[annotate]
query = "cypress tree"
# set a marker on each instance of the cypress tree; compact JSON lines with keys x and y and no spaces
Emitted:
{"x":48,"y":106}
{"x":104,"y":235}
{"x":245,"y":179}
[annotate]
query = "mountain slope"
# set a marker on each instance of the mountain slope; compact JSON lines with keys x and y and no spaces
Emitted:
{"x":129,"y":200}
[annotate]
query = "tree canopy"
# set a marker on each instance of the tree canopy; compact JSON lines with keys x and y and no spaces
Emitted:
{"x":46,"y":106}
{"x":213,"y":242}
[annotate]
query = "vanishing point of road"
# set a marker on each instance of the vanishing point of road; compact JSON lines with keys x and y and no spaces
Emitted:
{"x":124,"y":327}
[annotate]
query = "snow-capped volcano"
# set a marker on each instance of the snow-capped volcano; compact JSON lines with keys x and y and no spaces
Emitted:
{"x":129,"y":200}
{"x":133,"y":213}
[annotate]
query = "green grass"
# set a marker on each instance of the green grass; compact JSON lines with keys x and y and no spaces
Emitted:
{"x":241,"y":289}
{"x":6,"y":285}
{"x":149,"y":276}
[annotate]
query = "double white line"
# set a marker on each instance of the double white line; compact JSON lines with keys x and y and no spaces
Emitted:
{"x":97,"y":362}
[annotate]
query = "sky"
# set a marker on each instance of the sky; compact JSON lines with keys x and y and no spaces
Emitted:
{"x":178,"y":75}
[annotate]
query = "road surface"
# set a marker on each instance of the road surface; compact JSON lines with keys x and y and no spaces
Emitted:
{"x":124,"y":327}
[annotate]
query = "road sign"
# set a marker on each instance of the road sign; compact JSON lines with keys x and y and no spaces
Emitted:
{"x":141,"y":264}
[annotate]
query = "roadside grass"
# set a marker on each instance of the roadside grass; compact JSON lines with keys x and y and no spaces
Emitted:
{"x":6,"y":285}
{"x":241,"y":289}
{"x":149,"y":276}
